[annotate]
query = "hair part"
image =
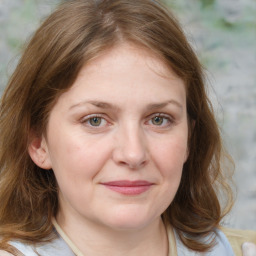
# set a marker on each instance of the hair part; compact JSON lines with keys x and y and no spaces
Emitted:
{"x":76,"y":33}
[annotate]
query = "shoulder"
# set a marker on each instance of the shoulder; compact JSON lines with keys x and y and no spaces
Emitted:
{"x":18,"y":248}
{"x":9,"y":250}
{"x":56,"y":246}
{"x":237,"y":237}
{"x":4,"y":253}
{"x":222,"y":246}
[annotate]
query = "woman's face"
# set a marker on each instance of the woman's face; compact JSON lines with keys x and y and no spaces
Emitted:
{"x":117,"y":140}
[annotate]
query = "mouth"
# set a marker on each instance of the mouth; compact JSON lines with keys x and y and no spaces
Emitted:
{"x":127,"y":187}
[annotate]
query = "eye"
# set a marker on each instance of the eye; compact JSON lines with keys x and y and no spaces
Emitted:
{"x":157,"y":120}
{"x":160,"y":120}
{"x":95,"y":121}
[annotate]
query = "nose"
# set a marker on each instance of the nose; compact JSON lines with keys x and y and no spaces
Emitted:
{"x":130,"y":148}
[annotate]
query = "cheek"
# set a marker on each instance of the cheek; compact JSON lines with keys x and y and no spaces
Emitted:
{"x":79,"y":156}
{"x":169,"y":160}
{"x":171,"y":155}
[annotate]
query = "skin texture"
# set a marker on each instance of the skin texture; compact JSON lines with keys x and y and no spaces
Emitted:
{"x":139,"y":132}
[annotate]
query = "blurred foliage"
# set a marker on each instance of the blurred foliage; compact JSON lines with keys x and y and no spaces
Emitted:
{"x":207,"y":3}
{"x":215,"y":22}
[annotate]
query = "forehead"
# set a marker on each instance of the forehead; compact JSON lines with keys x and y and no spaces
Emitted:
{"x":126,"y":52}
{"x":126,"y":73}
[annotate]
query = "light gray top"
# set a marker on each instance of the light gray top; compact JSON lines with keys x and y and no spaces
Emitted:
{"x":59,"y":247}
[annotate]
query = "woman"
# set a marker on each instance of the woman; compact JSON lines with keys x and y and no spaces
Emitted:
{"x":109,"y":145}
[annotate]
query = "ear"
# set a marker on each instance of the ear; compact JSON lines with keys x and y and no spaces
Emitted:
{"x":38,"y":152}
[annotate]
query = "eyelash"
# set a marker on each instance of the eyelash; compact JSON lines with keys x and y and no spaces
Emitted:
{"x":87,"y":119}
{"x":167,"y":119}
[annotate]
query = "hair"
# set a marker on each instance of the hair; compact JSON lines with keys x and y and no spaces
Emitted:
{"x":77,"y":32}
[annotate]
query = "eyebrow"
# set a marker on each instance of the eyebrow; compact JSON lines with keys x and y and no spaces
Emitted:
{"x":107,"y":105}
{"x":99,"y":104}
{"x":164,"y":104}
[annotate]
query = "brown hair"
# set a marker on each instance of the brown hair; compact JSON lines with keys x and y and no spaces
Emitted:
{"x":74,"y":34}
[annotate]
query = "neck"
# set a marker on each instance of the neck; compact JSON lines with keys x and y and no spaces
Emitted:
{"x":94,"y":240}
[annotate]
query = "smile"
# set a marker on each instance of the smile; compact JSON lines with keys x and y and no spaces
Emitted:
{"x":127,"y":187}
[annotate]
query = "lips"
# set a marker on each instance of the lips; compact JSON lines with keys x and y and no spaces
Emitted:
{"x":127,"y":187}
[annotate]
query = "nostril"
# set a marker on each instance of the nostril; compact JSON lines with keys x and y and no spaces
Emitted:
{"x":133,"y":164}
{"x":136,"y":165}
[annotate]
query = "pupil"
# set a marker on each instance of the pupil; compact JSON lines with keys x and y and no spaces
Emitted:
{"x":95,"y":121}
{"x":158,"y":120}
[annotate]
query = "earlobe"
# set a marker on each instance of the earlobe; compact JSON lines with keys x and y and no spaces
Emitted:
{"x":38,"y":152}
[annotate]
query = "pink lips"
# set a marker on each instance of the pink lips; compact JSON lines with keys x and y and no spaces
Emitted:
{"x":127,"y":187}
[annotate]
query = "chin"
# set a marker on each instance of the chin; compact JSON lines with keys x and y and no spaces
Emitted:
{"x":130,"y":220}
{"x":128,"y":225}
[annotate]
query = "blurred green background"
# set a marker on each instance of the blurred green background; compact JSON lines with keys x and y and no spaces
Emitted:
{"x":223,"y":33}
